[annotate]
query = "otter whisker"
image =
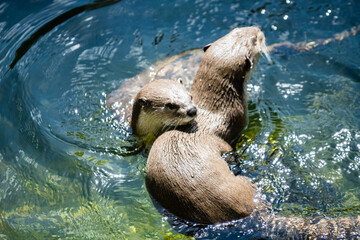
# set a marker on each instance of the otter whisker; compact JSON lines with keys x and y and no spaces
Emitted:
{"x":265,"y":52}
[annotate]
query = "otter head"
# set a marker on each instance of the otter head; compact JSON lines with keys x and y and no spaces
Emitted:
{"x":234,"y":55}
{"x":161,"y":104}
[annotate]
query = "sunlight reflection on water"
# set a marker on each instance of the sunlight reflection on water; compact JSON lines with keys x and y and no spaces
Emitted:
{"x":67,"y":170}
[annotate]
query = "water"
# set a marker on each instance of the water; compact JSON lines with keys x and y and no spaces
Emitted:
{"x":68,"y":171}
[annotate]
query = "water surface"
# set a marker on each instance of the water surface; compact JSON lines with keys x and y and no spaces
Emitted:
{"x":67,"y":170}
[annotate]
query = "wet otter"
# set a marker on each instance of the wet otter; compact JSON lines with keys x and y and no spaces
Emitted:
{"x":185,"y":172}
{"x":219,"y":87}
{"x":159,"y":105}
{"x":187,"y":176}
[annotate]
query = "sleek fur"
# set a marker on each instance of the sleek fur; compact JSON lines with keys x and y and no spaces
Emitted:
{"x":160,"y":105}
{"x":219,"y":87}
{"x":185,"y":172}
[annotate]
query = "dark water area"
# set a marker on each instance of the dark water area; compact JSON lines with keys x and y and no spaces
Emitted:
{"x":68,"y":171}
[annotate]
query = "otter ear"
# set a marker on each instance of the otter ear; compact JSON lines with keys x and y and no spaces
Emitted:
{"x":206,"y":47}
{"x":179,"y":80}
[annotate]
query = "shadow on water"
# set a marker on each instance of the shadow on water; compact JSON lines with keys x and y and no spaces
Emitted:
{"x":26,"y":45}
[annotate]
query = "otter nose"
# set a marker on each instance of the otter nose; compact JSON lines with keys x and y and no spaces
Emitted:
{"x":192,"y":112}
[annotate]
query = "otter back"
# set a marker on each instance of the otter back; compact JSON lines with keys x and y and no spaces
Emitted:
{"x":186,"y":174}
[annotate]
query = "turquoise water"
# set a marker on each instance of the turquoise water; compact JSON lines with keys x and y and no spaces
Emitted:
{"x":68,"y":171}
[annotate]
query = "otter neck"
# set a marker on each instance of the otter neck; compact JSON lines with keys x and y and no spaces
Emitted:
{"x":219,"y":91}
{"x":220,"y":96}
{"x":143,"y":123}
{"x":148,"y":124}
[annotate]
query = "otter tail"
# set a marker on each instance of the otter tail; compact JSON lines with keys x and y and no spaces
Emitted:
{"x":309,"y":228}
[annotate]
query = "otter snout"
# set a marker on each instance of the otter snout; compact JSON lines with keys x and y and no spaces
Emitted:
{"x":192,"y":112}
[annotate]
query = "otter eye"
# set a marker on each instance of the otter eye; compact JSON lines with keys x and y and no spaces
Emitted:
{"x":172,"y":106}
{"x":144,"y":102}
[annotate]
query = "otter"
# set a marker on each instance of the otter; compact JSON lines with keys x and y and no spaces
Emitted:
{"x":185,"y":172}
{"x":186,"y":175}
{"x":160,"y":105}
{"x":219,"y":87}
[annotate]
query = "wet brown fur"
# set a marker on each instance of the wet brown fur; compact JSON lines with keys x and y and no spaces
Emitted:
{"x":160,"y":105}
{"x":219,"y":87}
{"x":185,"y":172}
{"x":187,"y":175}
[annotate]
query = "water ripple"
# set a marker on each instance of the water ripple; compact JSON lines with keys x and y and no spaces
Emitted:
{"x":68,"y":170}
